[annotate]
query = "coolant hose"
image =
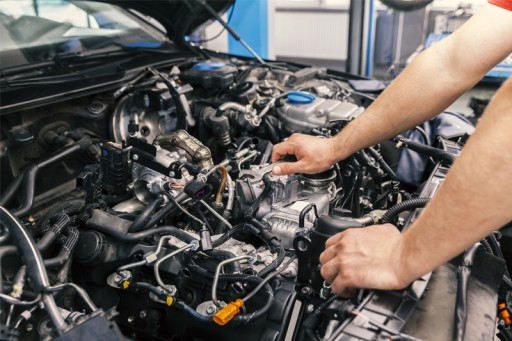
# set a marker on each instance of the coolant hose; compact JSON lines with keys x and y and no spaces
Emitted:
{"x":402,"y":207}
{"x":35,"y":266}
{"x":139,"y":222}
{"x":30,"y":173}
{"x":118,"y":228}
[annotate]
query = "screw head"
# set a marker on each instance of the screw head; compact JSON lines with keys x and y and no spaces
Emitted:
{"x":117,"y":278}
{"x":143,"y":314}
{"x":130,"y":319}
{"x":135,"y":157}
{"x":210,"y":309}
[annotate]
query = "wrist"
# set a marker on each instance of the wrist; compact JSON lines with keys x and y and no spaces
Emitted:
{"x":406,"y":262}
{"x":338,"y":150}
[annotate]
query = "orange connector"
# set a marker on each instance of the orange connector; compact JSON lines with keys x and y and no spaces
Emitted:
{"x":504,"y":314}
{"x":227,"y":313}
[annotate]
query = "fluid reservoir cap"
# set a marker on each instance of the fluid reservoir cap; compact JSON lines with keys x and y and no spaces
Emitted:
{"x":297,"y":97}
{"x":209,"y":66}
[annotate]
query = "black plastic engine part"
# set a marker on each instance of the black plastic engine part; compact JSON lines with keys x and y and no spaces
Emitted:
{"x":92,"y":248}
{"x":115,"y":166}
{"x":210,"y":75}
{"x":308,"y":248}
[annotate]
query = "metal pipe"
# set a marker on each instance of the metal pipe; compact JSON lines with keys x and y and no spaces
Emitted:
{"x":215,"y":213}
{"x":217,"y":275}
{"x":144,"y":261}
{"x":170,"y":255}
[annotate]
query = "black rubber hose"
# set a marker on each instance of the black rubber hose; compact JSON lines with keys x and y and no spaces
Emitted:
{"x":12,"y":189}
{"x":139,"y":222}
{"x":380,"y":160}
{"x":35,"y":266}
{"x":66,"y":250}
{"x":118,"y":228}
{"x":402,"y":207}
{"x":436,"y":153}
{"x":165,"y":211}
{"x":226,"y":236}
{"x":461,"y":309}
{"x":49,"y":237}
{"x":272,"y":243}
{"x":30,"y":174}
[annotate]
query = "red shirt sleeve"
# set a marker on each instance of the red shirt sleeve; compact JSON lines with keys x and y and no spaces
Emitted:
{"x":505,"y":4}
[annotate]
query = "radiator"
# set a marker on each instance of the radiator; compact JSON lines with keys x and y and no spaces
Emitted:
{"x":316,"y":35}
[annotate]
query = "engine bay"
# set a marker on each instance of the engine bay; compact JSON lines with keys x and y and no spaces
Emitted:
{"x":156,"y":215}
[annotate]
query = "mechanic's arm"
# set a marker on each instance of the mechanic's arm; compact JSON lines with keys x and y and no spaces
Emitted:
{"x":430,"y":84}
{"x":474,"y":200}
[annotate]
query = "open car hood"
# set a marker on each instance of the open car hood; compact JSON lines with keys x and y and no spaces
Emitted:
{"x":179,"y":17}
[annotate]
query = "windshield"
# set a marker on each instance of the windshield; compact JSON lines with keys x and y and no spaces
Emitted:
{"x":39,"y":30}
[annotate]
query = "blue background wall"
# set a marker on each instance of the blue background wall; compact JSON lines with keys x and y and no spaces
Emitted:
{"x":250,"y":20}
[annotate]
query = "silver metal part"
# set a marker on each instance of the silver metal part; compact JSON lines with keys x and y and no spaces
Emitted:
{"x":303,"y":117}
{"x":288,"y":197}
{"x":217,"y":274}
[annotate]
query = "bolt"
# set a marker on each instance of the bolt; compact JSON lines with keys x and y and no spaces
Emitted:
{"x":172,"y":174}
{"x":130,"y":319}
{"x":143,"y":314}
{"x":210,"y":309}
{"x":135,"y":157}
{"x":305,"y":290}
{"x":29,"y":327}
{"x":117,"y":278}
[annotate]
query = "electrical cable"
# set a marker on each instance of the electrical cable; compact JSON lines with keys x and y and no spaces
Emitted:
{"x":268,"y":278}
{"x":407,"y":205}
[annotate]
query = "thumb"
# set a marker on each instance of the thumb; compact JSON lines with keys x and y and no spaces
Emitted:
{"x":286,"y":168}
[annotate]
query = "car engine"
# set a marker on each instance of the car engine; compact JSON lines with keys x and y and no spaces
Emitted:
{"x":149,"y":211}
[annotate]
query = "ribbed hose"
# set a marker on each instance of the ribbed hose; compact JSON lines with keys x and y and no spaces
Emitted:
{"x":407,"y":205}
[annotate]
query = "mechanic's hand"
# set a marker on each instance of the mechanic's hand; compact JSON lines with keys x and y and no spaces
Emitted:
{"x":313,"y":154}
{"x":367,"y":258}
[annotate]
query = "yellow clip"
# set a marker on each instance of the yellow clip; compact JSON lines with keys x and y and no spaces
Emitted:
{"x":126,"y":284}
{"x":227,"y":313}
{"x":169,"y":300}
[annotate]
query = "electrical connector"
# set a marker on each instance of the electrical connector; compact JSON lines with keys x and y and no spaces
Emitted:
{"x":504,"y":314}
{"x":227,"y":313}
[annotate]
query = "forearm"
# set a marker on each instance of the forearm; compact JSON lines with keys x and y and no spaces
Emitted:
{"x":400,"y":108}
{"x":432,"y":82}
{"x":474,"y":200}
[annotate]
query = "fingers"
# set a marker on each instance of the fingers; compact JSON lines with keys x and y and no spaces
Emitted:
{"x":282,"y":149}
{"x":340,"y":286}
{"x":288,"y":147}
{"x":330,"y":270}
{"x":334,"y":239}
{"x":333,"y":274}
{"x":286,"y":168}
